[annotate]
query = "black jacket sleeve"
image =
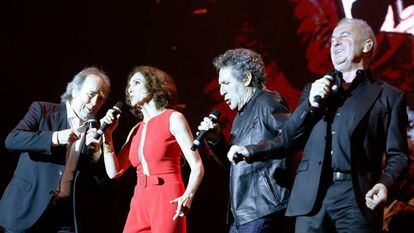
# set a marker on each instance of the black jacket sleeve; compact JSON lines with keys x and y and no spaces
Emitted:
{"x":28,"y":136}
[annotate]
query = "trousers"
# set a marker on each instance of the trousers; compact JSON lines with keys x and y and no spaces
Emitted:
{"x":150,"y":207}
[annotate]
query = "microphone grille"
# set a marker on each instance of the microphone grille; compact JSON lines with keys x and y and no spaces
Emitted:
{"x":91,"y":123}
{"x":118,"y":106}
{"x":215,"y":114}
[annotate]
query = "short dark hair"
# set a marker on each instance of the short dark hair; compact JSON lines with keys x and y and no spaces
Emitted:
{"x":243,"y":61}
{"x":160,"y":86}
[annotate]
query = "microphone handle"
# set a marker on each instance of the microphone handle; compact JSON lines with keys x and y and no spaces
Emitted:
{"x":213,"y":116}
{"x":99,"y":133}
{"x":197,"y":141}
{"x":398,"y":7}
{"x":318,"y":99}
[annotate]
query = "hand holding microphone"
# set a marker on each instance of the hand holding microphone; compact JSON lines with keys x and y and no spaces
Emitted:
{"x":92,"y":144}
{"x":91,"y":129}
{"x":320,"y":89}
{"x":109,"y":121}
{"x":206,"y":127}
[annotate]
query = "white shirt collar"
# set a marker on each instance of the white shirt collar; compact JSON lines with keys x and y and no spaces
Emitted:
{"x":74,"y":121}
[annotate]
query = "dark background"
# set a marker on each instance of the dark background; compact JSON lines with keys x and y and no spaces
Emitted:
{"x":45,"y":43}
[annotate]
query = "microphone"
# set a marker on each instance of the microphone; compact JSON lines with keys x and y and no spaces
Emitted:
{"x":214,"y":116}
{"x":92,"y":123}
{"x":397,"y":8}
{"x":117,"y":110}
{"x":318,"y":99}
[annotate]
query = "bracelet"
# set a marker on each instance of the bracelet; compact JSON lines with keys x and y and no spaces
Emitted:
{"x":55,"y":138}
{"x":107,"y":148}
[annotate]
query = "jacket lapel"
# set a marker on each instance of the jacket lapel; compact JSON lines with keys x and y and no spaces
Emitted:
{"x":365,"y":102}
{"x":60,"y":117}
{"x":240,"y":130}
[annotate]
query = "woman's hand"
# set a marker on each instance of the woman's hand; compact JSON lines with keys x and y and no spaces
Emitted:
{"x":183,"y":205}
{"x":111,"y":121}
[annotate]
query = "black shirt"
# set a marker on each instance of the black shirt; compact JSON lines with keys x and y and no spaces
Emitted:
{"x":339,"y":115}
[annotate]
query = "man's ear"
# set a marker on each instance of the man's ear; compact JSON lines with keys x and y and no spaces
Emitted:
{"x":74,"y":93}
{"x":247,"y":80}
{"x":368,"y":45}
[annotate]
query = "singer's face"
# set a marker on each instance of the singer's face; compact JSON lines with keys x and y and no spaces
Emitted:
{"x":87,"y":101}
{"x":346,"y":47}
{"x":137,"y":90}
{"x":231,"y":88}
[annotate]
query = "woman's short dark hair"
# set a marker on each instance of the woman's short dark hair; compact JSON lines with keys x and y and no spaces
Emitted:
{"x":160,"y":86}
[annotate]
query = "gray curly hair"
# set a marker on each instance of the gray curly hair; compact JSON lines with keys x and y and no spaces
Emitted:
{"x":77,"y":81}
{"x":243,"y":61}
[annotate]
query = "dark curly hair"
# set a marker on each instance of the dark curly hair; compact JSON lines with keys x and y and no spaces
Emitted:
{"x":243,"y":61}
{"x":160,"y":86}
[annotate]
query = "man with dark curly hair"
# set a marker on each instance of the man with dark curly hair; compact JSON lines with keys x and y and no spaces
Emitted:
{"x":258,"y":190}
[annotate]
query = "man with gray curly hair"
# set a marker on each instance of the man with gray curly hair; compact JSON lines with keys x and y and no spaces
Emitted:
{"x":50,"y":139}
{"x":258,"y":188}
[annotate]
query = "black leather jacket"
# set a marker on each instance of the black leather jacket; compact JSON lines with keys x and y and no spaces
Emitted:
{"x":257,"y":188}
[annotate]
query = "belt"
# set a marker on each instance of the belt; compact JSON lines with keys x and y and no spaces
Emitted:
{"x":144,"y":180}
{"x":340,"y":176}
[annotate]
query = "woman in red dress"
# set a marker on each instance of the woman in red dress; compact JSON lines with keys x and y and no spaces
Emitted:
{"x":154,"y":148}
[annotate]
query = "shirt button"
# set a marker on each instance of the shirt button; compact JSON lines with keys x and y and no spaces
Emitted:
{"x":60,"y":172}
{"x":338,"y":114}
{"x":331,"y":152}
{"x":333,"y":132}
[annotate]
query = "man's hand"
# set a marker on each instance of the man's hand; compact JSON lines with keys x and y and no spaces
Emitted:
{"x":90,"y":140}
{"x":67,"y":136}
{"x":376,"y":196}
{"x":321,"y":87}
{"x":237,"y":154}
{"x":213,"y":129}
{"x":93,"y":144}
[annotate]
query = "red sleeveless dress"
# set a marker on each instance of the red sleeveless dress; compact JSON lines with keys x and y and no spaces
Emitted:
{"x":150,"y":207}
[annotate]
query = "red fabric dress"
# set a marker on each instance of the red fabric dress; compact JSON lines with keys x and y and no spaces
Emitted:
{"x":150,"y":208}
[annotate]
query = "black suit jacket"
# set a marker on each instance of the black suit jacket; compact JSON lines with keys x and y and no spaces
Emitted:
{"x":379,"y":125}
{"x":40,"y":168}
